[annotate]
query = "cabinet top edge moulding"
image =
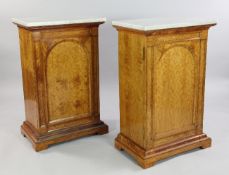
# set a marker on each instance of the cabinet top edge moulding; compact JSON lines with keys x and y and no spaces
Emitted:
{"x":155,"y":24}
{"x":39,"y":23}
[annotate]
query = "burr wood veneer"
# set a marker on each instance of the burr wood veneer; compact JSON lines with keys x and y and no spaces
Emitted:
{"x":161,"y":82}
{"x":60,"y":67}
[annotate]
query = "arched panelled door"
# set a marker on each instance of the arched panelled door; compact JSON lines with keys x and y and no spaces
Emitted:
{"x":175,"y":85}
{"x":67,"y":81}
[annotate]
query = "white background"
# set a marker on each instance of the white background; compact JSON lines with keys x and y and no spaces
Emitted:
{"x":96,"y":155}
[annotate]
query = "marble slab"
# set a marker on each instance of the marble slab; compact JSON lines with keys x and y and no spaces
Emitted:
{"x":160,"y":23}
{"x":36,"y":22}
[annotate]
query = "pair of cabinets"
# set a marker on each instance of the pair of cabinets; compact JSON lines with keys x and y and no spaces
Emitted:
{"x":161,"y":77}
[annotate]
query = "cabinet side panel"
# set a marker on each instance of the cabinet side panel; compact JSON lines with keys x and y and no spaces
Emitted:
{"x":132,"y":86}
{"x":29,"y":77}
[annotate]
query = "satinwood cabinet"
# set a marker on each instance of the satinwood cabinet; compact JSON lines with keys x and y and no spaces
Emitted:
{"x":161,"y":85}
{"x":60,"y":68}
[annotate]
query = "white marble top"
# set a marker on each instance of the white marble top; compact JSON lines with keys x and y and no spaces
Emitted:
{"x":160,"y":23}
{"x":35,"y":22}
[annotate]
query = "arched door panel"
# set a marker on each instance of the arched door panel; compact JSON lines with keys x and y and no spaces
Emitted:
{"x":175,"y":85}
{"x":68,"y":81}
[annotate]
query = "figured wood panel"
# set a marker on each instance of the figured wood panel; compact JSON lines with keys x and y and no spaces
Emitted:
{"x":175,"y":88}
{"x":132,"y":85}
{"x":68,"y":81}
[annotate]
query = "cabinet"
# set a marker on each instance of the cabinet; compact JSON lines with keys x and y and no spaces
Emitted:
{"x":60,"y":68}
{"x":161,"y":82}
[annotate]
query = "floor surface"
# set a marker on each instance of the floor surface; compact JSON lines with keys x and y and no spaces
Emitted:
{"x":96,"y":154}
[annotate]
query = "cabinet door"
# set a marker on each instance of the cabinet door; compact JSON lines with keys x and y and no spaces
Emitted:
{"x":67,"y":78}
{"x":175,"y":81}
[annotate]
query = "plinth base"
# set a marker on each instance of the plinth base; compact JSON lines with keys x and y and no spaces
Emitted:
{"x":147,"y":158}
{"x":43,"y":142}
